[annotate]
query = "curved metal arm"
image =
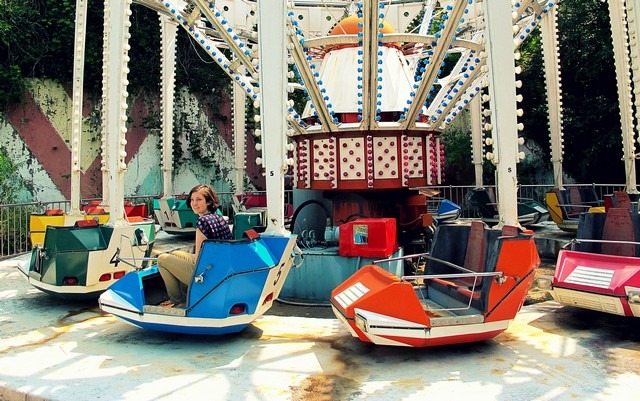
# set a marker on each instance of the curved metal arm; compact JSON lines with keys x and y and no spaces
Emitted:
{"x":426,"y":256}
{"x":575,"y":241}
{"x":452,"y":275}
{"x":295,"y":253}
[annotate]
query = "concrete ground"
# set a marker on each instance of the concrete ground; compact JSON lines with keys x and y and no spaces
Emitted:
{"x":51,"y":349}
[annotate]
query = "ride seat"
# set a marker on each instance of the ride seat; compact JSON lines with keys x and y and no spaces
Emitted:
{"x":618,"y":226}
{"x":474,"y":256}
{"x":575,"y":201}
{"x":481,"y":200}
{"x":86,"y":223}
{"x":68,"y":247}
{"x":474,"y":260}
{"x":571,"y":204}
{"x":589,"y":196}
{"x":463,"y":290}
{"x":622,"y":200}
{"x":94,"y":210}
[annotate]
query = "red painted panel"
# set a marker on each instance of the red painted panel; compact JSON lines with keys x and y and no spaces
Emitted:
{"x":136,"y":133}
{"x":43,"y":141}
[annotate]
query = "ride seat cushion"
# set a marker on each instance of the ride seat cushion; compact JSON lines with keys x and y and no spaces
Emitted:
{"x":475,"y":253}
{"x":618,"y":226}
{"x":575,"y":199}
{"x":622,"y":199}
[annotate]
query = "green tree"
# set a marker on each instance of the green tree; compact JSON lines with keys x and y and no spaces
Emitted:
{"x":591,"y":123}
{"x":9,"y":179}
{"x":18,"y":26}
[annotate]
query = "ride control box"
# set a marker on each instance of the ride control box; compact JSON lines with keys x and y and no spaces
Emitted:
{"x":369,"y":238}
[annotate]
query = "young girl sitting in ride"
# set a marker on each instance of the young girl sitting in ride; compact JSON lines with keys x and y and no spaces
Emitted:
{"x":176,"y":268}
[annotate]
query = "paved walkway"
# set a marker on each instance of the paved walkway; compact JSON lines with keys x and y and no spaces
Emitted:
{"x":61,"y":350}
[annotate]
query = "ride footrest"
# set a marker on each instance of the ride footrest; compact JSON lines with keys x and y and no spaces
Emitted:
{"x":456,"y":320}
{"x":163,"y":310}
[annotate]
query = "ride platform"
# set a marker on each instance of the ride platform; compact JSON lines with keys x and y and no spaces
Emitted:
{"x":54,"y":349}
{"x":297,"y":352}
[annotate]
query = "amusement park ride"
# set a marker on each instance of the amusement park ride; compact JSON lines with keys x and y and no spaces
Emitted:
{"x":599,"y":269}
{"x":381,"y":80}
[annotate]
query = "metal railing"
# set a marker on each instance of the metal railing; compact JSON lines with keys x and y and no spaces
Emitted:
{"x":14,"y":218}
{"x":459,"y":194}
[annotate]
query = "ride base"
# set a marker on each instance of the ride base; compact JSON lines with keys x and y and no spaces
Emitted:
{"x":323,"y":269}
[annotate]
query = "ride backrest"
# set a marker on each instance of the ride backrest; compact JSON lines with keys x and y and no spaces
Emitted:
{"x":460,"y":244}
{"x":481,"y":200}
{"x":221,"y":260}
{"x":76,"y":238}
{"x":554,"y":199}
{"x":622,"y":200}
{"x":450,"y":244}
{"x":618,"y":224}
{"x":69,"y":247}
{"x":481,"y":254}
{"x":590,"y":197}
{"x":474,"y":255}
{"x":575,"y":199}
{"x":495,"y":239}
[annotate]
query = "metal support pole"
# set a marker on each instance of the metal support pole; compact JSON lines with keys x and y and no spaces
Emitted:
{"x":554,"y":92}
{"x":76,"y":108}
{"x":622,"y":64}
{"x":115,"y":118}
{"x":104,"y":145}
{"x":633,"y":27}
{"x":273,"y":83}
{"x":500,"y":50}
{"x":239,"y":127}
{"x":169,"y":32}
{"x":477,"y":156}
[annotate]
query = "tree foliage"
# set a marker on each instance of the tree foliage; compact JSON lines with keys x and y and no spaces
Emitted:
{"x":37,"y":41}
{"x":19,"y":31}
{"x":591,"y":119}
{"x":9,"y":179}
